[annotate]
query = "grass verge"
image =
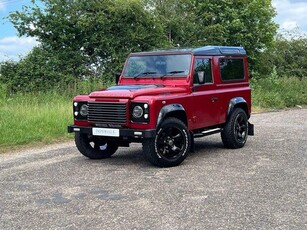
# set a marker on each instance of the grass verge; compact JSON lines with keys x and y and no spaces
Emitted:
{"x":278,"y":93}
{"x":32,"y":118}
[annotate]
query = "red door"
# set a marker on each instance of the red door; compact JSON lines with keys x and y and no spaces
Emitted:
{"x":205,"y":101}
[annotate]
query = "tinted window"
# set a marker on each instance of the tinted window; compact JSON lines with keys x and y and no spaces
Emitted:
{"x":232,"y":69}
{"x":203,"y":64}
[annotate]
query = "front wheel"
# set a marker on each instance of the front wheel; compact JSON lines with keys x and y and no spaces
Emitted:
{"x":93,"y":147}
{"x":170,"y":145}
{"x":234,"y":134}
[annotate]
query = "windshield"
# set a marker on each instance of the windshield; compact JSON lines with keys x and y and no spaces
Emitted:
{"x":158,"y":65}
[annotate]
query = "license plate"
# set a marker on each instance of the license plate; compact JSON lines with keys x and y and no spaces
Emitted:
{"x":105,"y":132}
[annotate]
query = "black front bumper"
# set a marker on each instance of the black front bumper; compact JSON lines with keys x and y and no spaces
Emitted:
{"x":123,"y":133}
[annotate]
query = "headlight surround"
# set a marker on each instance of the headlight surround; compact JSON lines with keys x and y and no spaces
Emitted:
{"x":139,"y":112}
{"x":80,"y":109}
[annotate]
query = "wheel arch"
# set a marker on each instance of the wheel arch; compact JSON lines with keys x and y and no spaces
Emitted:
{"x":237,"y":102}
{"x":172,"y":110}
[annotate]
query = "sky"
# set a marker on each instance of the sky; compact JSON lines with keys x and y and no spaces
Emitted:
{"x":291,"y":14}
{"x":12,"y":47}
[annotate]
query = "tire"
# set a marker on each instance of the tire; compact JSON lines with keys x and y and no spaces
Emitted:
{"x":93,"y":147}
{"x":234,"y":134}
{"x":170,"y":145}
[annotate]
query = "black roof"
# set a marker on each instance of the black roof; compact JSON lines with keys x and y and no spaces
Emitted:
{"x":205,"y":51}
{"x":219,"y":50}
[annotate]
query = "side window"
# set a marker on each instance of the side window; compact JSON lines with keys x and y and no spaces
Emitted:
{"x":232,"y":69}
{"x":203,"y":65}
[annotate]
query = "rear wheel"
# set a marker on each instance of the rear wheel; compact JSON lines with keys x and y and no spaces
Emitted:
{"x":93,"y":147}
{"x":234,"y":134}
{"x":170,"y":146}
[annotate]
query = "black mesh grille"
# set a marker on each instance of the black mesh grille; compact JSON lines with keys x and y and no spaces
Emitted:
{"x":107,"y":113}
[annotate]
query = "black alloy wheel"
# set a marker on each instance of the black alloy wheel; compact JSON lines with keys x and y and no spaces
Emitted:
{"x":171,"y":144}
{"x":240,"y":127}
{"x":235,"y":131}
{"x":94,"y":147}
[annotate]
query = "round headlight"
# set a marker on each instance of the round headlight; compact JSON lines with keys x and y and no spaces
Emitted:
{"x":84,"y":110}
{"x":137,"y":111}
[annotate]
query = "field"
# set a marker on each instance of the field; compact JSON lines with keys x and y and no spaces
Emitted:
{"x":42,"y":118}
{"x":32,"y":118}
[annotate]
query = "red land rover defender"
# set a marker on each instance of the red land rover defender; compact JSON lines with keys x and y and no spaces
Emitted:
{"x":165,"y":99}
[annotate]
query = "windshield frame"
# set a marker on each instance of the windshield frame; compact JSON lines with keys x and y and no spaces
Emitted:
{"x":173,"y":73}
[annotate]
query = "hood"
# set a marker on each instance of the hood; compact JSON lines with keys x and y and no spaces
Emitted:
{"x":132,"y":91}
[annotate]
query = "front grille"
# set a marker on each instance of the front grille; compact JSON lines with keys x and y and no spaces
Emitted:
{"x":107,"y":112}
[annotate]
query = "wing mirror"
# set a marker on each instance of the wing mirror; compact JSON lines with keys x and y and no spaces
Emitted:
{"x":201,"y":77}
{"x":117,"y":76}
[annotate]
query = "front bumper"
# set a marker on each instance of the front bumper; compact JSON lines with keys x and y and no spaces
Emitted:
{"x":123,"y":133}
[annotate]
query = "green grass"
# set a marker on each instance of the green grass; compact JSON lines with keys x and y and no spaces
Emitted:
{"x":32,"y":118}
{"x":27,"y":119}
{"x":279,"y":93}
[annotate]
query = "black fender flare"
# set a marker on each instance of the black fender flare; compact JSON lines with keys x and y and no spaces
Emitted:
{"x":168,"y":109}
{"x":234,"y":102}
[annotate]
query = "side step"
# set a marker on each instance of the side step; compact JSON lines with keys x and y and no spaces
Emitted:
{"x":207,"y":132}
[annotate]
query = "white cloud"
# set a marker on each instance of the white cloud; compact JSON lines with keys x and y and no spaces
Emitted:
{"x":289,"y":25}
{"x":291,"y":14}
{"x":11,"y":48}
{"x":2,"y":5}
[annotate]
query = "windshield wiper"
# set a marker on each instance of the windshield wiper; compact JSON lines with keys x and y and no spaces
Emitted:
{"x":170,"y":73}
{"x":144,"y":74}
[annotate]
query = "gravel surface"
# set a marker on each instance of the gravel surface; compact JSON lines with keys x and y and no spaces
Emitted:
{"x":261,"y":186}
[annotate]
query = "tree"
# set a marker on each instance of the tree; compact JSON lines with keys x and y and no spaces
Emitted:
{"x":288,"y":56}
{"x":247,"y":23}
{"x":177,"y":18}
{"x":35,"y":72}
{"x":90,"y":37}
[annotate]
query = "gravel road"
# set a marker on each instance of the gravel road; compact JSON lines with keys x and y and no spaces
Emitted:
{"x":261,"y":186}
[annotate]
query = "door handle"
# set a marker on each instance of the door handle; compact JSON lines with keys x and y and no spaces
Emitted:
{"x":214,"y":99}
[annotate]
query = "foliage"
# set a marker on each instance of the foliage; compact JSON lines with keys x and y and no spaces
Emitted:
{"x":89,"y":37}
{"x":80,"y":38}
{"x":177,"y":19}
{"x":3,"y":93}
{"x":278,"y":92}
{"x":227,"y":22}
{"x":288,"y":56}
{"x":35,"y":72}
{"x":30,"y":118}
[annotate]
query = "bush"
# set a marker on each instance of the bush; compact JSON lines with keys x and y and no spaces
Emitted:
{"x":288,"y":56}
{"x":39,"y":72}
{"x":279,"y":92}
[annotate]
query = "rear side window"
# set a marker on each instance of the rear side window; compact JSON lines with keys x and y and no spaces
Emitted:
{"x":232,"y":69}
